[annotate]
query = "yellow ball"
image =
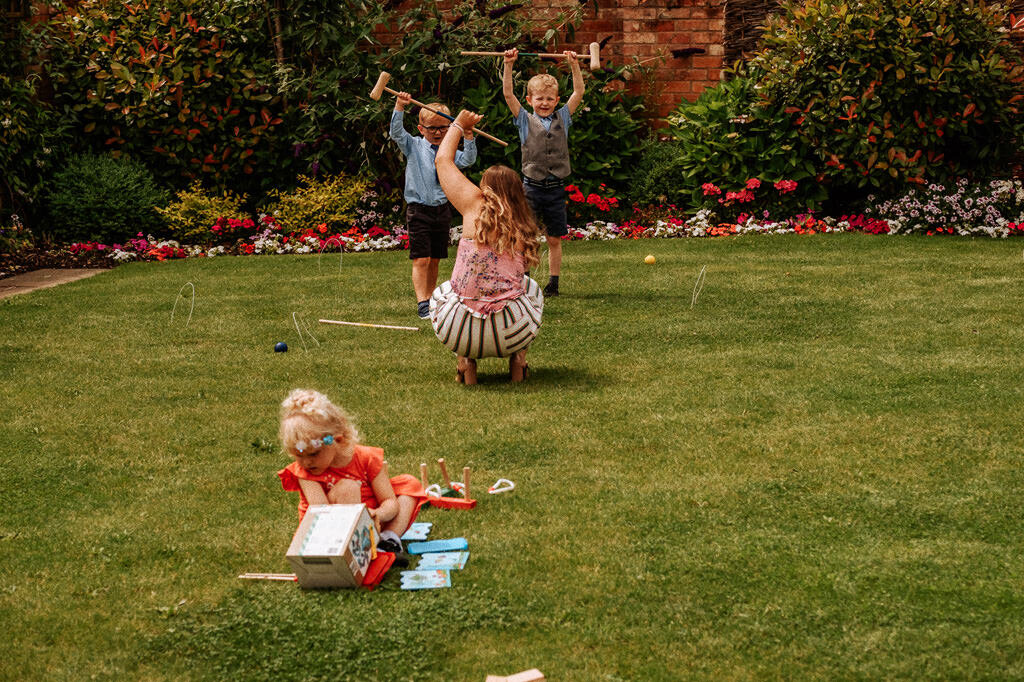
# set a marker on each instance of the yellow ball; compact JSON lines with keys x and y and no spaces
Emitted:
{"x":649,"y":260}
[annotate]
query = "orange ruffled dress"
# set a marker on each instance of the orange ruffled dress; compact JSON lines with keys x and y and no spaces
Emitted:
{"x":365,"y":465}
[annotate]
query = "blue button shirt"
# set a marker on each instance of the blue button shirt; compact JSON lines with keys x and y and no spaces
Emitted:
{"x":421,"y":184}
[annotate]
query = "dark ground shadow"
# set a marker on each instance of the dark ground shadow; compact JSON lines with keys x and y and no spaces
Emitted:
{"x":494,"y":377}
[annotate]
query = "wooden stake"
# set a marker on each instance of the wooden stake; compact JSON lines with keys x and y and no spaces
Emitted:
{"x":269,"y":576}
{"x":367,"y":324}
{"x":444,"y":474}
{"x":465,"y":483}
{"x":423,"y":475}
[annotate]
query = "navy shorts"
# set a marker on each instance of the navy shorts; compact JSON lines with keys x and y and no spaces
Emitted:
{"x":548,"y":204}
{"x":429,"y":230}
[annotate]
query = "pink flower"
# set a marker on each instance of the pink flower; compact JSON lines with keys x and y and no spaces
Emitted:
{"x":785,"y":186}
{"x":710,"y":188}
{"x":753,"y":183}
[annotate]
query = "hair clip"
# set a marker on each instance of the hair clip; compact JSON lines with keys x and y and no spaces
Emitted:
{"x":314,"y":443}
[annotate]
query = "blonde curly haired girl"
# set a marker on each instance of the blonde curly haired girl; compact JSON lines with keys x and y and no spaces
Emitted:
{"x":331,"y":467}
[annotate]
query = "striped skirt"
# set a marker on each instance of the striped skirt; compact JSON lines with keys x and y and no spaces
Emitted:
{"x":497,"y":335}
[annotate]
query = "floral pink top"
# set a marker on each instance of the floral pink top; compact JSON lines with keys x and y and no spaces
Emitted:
{"x":486,"y":280}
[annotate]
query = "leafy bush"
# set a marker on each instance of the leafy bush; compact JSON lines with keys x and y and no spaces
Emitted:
{"x":331,"y":201}
{"x":248,"y":100}
{"x":32,"y":136}
{"x":14,"y":236}
{"x":196,"y":211}
{"x":103,"y":199}
{"x":179,"y":84}
{"x":893,"y":91}
{"x":724,"y":140}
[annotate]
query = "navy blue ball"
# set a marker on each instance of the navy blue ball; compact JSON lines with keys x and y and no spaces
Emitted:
{"x":280,"y":347}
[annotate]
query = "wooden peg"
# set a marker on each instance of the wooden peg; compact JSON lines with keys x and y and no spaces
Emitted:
{"x":444,"y":474}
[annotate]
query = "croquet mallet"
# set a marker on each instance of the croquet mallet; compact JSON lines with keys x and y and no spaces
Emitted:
{"x":382,"y":86}
{"x":595,"y":55}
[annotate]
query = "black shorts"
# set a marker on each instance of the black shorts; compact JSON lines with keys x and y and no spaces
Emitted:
{"x":429,"y":230}
{"x":548,"y":204}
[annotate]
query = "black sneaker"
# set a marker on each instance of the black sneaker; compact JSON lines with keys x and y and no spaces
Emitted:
{"x":423,"y":310}
{"x":389,"y":545}
{"x":550,"y":291}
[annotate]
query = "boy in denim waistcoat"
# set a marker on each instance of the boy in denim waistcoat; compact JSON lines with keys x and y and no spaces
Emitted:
{"x":545,"y":147}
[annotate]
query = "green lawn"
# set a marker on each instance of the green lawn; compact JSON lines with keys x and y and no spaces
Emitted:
{"x":813,"y":472}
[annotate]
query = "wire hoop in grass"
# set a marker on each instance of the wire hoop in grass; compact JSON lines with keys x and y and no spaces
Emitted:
{"x":341,"y":253}
{"x":698,"y":286}
{"x":295,"y":320}
{"x":191,"y":308}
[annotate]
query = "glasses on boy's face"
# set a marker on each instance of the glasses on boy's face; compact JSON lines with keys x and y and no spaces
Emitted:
{"x":436,"y":129}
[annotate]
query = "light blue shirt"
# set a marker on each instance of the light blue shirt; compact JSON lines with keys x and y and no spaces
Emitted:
{"x":523,"y":122}
{"x":421,"y":184}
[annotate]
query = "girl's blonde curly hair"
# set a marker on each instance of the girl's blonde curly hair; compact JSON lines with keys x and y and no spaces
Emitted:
{"x":307,"y":415}
{"x":505,"y":222}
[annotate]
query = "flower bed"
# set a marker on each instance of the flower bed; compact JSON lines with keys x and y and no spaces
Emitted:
{"x":965,"y":210}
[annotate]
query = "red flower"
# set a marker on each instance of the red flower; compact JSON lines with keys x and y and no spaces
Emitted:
{"x":710,"y":188}
{"x":322,"y":228}
{"x":753,"y":183}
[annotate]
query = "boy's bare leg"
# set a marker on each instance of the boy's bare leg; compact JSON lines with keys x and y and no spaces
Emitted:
{"x":432,"y":269}
{"x":554,"y":255}
{"x":424,"y":277}
{"x":421,"y":278}
{"x":403,"y":519}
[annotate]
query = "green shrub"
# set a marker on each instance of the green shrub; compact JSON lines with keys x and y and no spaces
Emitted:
{"x":195,"y":211}
{"x":33,"y":138}
{"x":184,"y":85}
{"x":14,"y":236}
{"x":331,"y":201}
{"x":249,"y":97}
{"x":103,"y":199}
{"x":893,"y":91}
{"x":723,"y":139}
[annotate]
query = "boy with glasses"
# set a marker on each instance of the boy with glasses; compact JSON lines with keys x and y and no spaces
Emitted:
{"x":428,"y":217}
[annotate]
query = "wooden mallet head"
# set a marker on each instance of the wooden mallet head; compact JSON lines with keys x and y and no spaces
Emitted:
{"x":382,"y":82}
{"x":595,"y":56}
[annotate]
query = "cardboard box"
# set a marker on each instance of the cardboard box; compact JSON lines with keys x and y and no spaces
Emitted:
{"x":333,"y":546}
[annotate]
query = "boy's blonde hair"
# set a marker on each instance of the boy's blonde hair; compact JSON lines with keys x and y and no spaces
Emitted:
{"x":425,"y":116}
{"x":307,"y":415}
{"x":542,"y":81}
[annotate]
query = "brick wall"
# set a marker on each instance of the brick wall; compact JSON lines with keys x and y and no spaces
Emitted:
{"x":642,"y":30}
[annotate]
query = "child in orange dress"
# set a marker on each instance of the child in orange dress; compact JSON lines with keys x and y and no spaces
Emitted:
{"x":331,"y":467}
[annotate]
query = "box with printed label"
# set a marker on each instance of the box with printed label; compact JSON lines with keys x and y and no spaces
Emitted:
{"x":333,"y":546}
